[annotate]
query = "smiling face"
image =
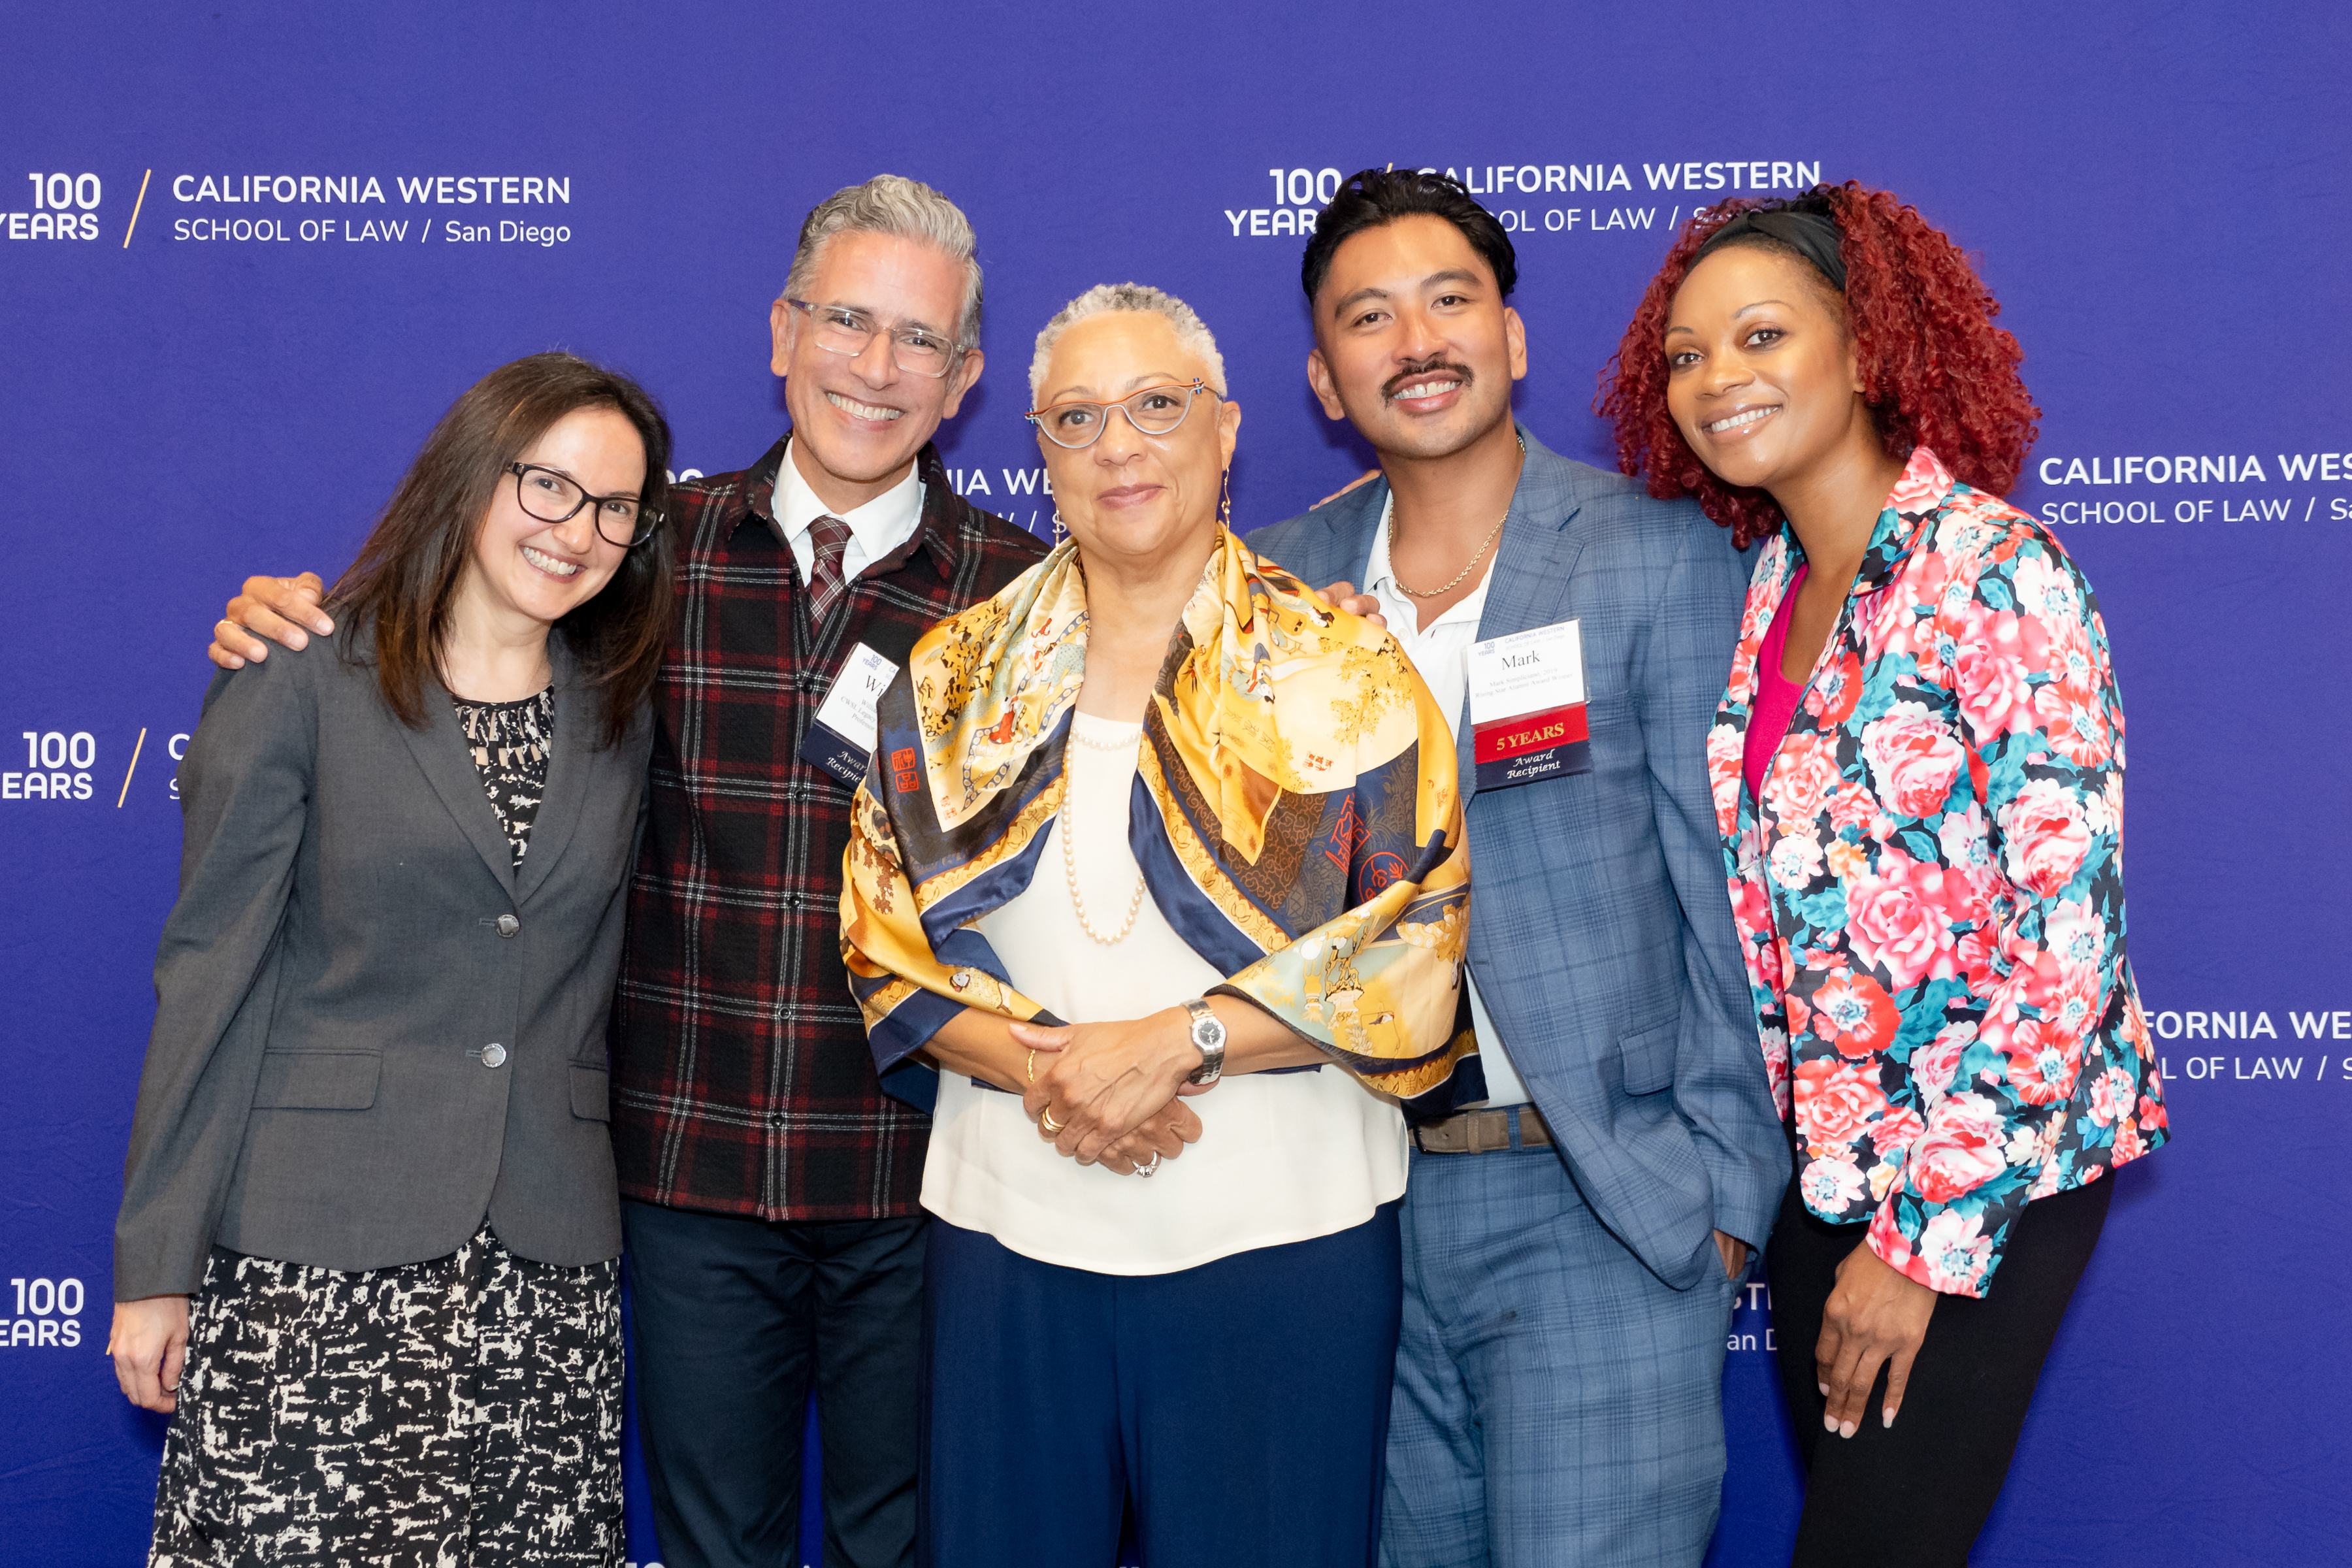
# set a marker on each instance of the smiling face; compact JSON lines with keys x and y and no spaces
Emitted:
{"x":1762,"y":377}
{"x":1134,"y":498}
{"x":857,"y":419}
{"x":1414,"y":344}
{"x":524,"y":570}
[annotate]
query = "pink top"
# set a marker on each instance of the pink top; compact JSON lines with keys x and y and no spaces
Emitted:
{"x":1776,"y":695}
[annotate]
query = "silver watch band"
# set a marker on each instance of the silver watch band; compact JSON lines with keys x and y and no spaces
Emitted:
{"x":1209,"y":1039}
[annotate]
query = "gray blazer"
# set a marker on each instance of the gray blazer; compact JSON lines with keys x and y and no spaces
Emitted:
{"x":372,"y":1030}
{"x":1601,"y":931}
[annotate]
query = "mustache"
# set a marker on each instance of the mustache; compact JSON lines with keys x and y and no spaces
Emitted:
{"x":1410,"y":374}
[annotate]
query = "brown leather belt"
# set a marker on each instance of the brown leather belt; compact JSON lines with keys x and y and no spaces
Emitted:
{"x":1482,"y":1131}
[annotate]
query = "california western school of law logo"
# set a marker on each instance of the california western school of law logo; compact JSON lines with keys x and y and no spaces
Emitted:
{"x":1530,"y":195}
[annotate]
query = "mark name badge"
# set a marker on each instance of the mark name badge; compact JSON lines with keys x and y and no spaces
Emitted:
{"x":1526,"y":706}
{"x":842,"y":736}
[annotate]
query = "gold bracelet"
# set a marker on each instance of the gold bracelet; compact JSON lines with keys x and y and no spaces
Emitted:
{"x":1032,"y":1064}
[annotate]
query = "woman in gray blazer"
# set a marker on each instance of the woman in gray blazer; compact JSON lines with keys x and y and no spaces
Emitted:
{"x":370,"y":1200}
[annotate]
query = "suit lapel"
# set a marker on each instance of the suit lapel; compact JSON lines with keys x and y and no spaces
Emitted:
{"x":1528,"y":581}
{"x":569,"y":768}
{"x":442,"y":753}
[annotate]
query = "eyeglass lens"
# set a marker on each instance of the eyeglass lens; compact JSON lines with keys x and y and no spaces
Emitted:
{"x":1155,"y":411}
{"x":915,"y":349}
{"x":552,"y":497}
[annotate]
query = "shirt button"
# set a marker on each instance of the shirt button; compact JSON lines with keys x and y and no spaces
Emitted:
{"x":508,"y":925}
{"x":494,"y":1055}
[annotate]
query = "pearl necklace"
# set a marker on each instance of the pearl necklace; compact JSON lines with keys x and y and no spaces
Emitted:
{"x":1070,"y":854}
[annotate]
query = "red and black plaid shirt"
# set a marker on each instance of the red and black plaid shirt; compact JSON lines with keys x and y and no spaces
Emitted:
{"x":741,"y":1079}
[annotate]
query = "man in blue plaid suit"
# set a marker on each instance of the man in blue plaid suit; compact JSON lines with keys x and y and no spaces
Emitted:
{"x":1576,"y":1230}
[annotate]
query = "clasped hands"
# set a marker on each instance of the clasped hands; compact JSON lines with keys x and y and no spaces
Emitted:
{"x":1113,"y":1094}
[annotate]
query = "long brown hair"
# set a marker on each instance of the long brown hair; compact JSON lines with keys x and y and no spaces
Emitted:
{"x":405,"y":578}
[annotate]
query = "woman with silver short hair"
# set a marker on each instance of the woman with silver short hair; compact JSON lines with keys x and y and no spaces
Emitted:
{"x":1159,"y":865}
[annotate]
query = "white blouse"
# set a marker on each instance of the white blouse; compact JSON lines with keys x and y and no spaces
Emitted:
{"x":1283,"y":1157}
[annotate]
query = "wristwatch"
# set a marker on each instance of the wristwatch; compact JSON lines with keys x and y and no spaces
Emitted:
{"x":1209,"y":1033}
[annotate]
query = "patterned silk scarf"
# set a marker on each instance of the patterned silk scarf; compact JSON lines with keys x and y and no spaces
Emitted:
{"x":1296,"y":814}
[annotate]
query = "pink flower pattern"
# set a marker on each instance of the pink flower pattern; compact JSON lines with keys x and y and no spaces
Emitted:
{"x":1940,"y":965}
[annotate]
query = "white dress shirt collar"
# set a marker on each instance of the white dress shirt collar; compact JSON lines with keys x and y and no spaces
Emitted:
{"x":876,"y":529}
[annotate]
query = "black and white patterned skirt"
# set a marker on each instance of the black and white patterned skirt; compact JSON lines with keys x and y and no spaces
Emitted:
{"x":459,"y":1413}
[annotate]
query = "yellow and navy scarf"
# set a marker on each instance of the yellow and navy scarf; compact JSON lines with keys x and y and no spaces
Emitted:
{"x":1304,"y":831}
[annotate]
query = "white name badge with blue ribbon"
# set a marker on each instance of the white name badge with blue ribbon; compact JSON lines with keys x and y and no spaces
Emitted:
{"x":842,"y":738}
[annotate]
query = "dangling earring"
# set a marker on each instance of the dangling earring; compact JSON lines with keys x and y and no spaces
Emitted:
{"x":1061,"y":529}
{"x":1226,"y":507}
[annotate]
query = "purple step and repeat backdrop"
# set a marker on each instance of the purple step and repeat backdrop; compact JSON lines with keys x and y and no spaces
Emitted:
{"x":250,"y":252}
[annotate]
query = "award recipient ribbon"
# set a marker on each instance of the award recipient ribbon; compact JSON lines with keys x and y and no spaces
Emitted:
{"x":1526,"y":706}
{"x":842,"y":738}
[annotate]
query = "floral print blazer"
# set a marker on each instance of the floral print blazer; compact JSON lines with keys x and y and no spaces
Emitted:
{"x":1929,"y":890}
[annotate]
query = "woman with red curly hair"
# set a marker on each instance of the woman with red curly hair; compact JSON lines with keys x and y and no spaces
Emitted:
{"x":1918,"y":780}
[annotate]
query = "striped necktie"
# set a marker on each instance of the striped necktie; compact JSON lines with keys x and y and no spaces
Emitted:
{"x":828,"y":539}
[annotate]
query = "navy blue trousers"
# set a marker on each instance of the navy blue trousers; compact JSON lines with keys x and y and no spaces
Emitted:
{"x":1242,"y":1406}
{"x":735,"y":1321}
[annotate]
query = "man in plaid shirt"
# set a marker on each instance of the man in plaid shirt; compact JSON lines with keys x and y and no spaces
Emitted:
{"x":770,"y":1187}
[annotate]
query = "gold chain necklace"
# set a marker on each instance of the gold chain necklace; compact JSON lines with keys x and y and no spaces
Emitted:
{"x":1435,"y":593}
{"x":1070,"y":854}
{"x":1439,"y":593}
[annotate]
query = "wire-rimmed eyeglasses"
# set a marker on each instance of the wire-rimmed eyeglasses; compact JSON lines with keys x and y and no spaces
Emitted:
{"x":1155,"y":411}
{"x":845,"y":329}
{"x":553,"y":496}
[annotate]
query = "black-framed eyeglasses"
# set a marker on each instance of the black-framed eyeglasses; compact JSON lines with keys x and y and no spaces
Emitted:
{"x":843,"y":329}
{"x":552,"y":496}
{"x":1155,"y":411}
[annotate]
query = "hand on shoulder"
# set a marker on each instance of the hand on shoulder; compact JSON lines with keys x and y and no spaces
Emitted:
{"x":283,"y":610}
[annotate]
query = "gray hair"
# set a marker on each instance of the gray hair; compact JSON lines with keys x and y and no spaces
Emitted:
{"x":1104,"y":298}
{"x":893,"y":205}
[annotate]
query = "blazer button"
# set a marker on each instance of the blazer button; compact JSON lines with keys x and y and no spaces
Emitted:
{"x":494,"y":1055}
{"x":508,"y":925}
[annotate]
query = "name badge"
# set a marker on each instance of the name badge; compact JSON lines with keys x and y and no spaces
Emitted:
{"x":1526,"y":706}
{"x":842,"y":738}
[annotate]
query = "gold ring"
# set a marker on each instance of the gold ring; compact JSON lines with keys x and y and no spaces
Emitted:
{"x":1046,"y":1120}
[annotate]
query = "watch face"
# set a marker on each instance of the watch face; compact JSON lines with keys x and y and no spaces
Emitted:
{"x":1209,"y":1032}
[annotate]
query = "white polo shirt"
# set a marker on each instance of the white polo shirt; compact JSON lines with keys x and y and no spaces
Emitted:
{"x":1441,"y":652}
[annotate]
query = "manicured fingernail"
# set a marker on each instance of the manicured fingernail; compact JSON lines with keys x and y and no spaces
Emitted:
{"x":1885,"y":1418}
{"x":1847,"y":1430}
{"x":1824,"y":1388}
{"x":298,"y":638}
{"x":1828,"y":1423}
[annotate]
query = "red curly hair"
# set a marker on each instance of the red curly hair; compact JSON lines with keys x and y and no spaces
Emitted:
{"x":1936,"y":371}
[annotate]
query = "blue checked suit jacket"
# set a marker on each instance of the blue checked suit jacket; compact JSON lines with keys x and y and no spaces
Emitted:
{"x":1601,"y":929}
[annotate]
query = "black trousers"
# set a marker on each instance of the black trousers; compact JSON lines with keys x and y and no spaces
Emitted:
{"x":736,"y":1319}
{"x":1917,"y":1492}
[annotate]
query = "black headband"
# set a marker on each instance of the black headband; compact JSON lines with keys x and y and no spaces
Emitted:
{"x":1809,"y":235}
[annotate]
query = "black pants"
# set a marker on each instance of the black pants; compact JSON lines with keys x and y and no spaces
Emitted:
{"x":735,"y":1320}
{"x":1917,"y":1492}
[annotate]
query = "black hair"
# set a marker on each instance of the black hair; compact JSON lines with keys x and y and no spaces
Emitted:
{"x":1375,"y":197}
